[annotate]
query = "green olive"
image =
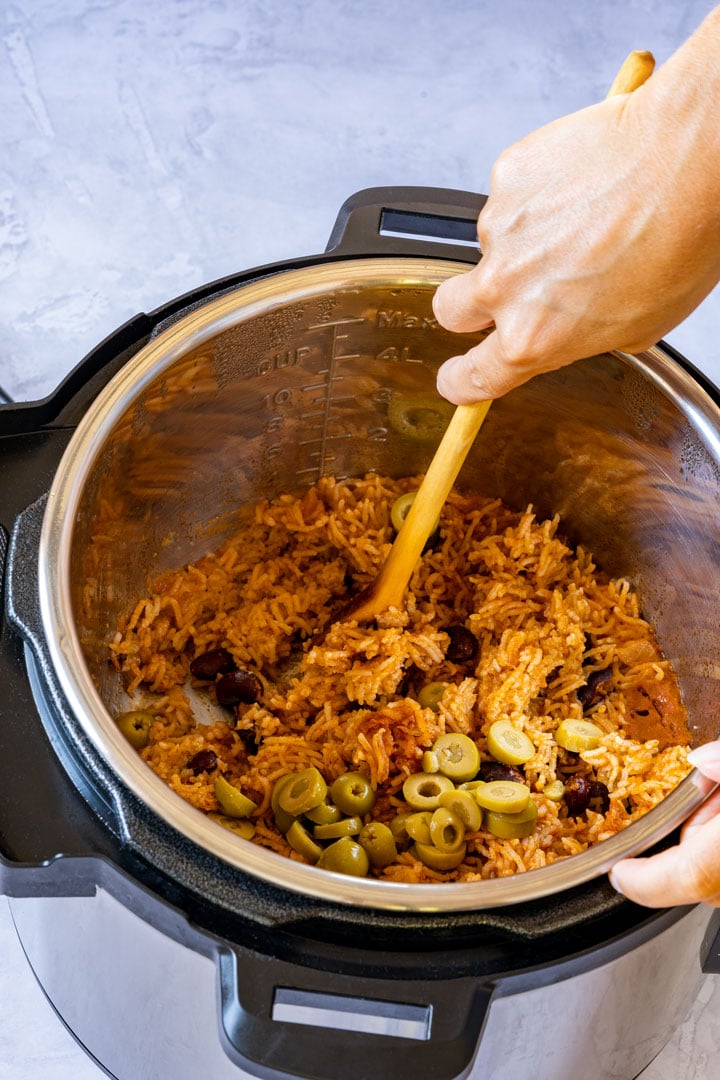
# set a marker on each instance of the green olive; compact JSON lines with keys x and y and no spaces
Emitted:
{"x":508,"y":745}
{"x":577,"y":735}
{"x":398,"y":823}
{"x":422,"y":790}
{"x":352,"y":793}
{"x":471,"y":785}
{"x":349,"y":826}
{"x":430,"y":695}
{"x":458,"y":756}
{"x":345,"y":857}
{"x":232,"y":800}
{"x":379,"y":843}
{"x":323,"y":814}
{"x":439,"y":860}
{"x":283,"y":820}
{"x":421,"y":417}
{"x":503,"y":796}
{"x":241,"y":826}
{"x":447,"y":831}
{"x":401,"y":508}
{"x":554,"y":790}
{"x":135,"y":726}
{"x":299,"y":838}
{"x":417,"y":826}
{"x":465,"y":806}
{"x":430,"y":762}
{"x":512,"y":826}
{"x":305,"y":790}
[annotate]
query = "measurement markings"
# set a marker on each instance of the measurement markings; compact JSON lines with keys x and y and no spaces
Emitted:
{"x":338,"y":342}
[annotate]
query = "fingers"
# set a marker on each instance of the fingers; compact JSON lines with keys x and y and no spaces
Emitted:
{"x":706,"y":812}
{"x":482,"y":374}
{"x":686,"y":874}
{"x":706,"y":758}
{"x":458,"y":303}
{"x":690,"y":872}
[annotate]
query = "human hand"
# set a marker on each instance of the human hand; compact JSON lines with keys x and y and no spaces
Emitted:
{"x":601,"y":231}
{"x":689,"y":872}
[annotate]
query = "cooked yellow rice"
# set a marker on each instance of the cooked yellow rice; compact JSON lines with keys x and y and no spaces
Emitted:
{"x":544,"y":617}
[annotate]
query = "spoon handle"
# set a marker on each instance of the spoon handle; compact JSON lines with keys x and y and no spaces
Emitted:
{"x":388,"y":589}
{"x":389,"y":586}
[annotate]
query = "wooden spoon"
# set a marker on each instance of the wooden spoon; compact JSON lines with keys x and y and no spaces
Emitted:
{"x":388,"y":588}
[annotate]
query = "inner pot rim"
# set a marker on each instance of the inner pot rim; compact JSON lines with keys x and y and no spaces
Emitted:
{"x":58,"y":621}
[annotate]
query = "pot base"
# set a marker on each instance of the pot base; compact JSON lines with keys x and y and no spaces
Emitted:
{"x":142,"y":1004}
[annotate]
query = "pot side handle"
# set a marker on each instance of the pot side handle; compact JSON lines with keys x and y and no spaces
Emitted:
{"x":434,"y":222}
{"x":299,"y":1021}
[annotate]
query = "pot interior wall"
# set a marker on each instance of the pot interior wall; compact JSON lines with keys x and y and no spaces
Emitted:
{"x":247,"y":400}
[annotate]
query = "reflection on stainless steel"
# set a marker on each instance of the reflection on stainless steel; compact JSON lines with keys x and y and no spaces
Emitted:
{"x":268,"y":387}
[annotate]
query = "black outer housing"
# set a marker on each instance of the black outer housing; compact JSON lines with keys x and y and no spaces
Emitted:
{"x":66,"y":820}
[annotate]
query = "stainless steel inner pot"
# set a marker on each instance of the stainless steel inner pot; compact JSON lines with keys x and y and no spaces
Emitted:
{"x":267,"y":387}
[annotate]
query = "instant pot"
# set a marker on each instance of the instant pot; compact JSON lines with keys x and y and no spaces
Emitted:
{"x":172,"y":948}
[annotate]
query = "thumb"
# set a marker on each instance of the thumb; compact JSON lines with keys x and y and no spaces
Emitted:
{"x":686,"y":874}
{"x":481,"y":374}
{"x":706,"y":758}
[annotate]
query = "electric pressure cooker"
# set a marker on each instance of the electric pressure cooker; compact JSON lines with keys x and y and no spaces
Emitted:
{"x":174,"y":949}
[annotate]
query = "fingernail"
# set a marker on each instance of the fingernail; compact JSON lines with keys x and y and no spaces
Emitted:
{"x":447,"y":370}
{"x":613,"y":882}
{"x":703,"y":756}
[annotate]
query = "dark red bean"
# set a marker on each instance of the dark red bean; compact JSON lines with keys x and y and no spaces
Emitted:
{"x":238,"y":687}
{"x":577,"y":795}
{"x":209,"y":665}
{"x":599,"y":800}
{"x":249,"y":741}
{"x":463,"y":644}
{"x":588,"y":694}
{"x":495,"y":770}
{"x":203,"y":761}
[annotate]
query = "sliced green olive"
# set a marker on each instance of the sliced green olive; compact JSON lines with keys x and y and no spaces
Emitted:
{"x":554,"y":790}
{"x":458,"y":756}
{"x":430,"y":695}
{"x":447,"y":831}
{"x":503,"y":796}
{"x":430,"y":762}
{"x":401,"y":508}
{"x":508,"y":745}
{"x":422,"y":790}
{"x":420,"y":417}
{"x":439,"y":860}
{"x":379,"y":843}
{"x":283,"y":820}
{"x":240,"y":826}
{"x":345,"y":857}
{"x":465,"y":806}
{"x":232,"y":800}
{"x":471,"y":785}
{"x":299,"y":838}
{"x":398,"y":823}
{"x":303,"y":791}
{"x":352,"y":793}
{"x":577,"y":735}
{"x":135,"y":726}
{"x":323,"y":814}
{"x":349,"y":826}
{"x":512,"y":826}
{"x":417,"y":826}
